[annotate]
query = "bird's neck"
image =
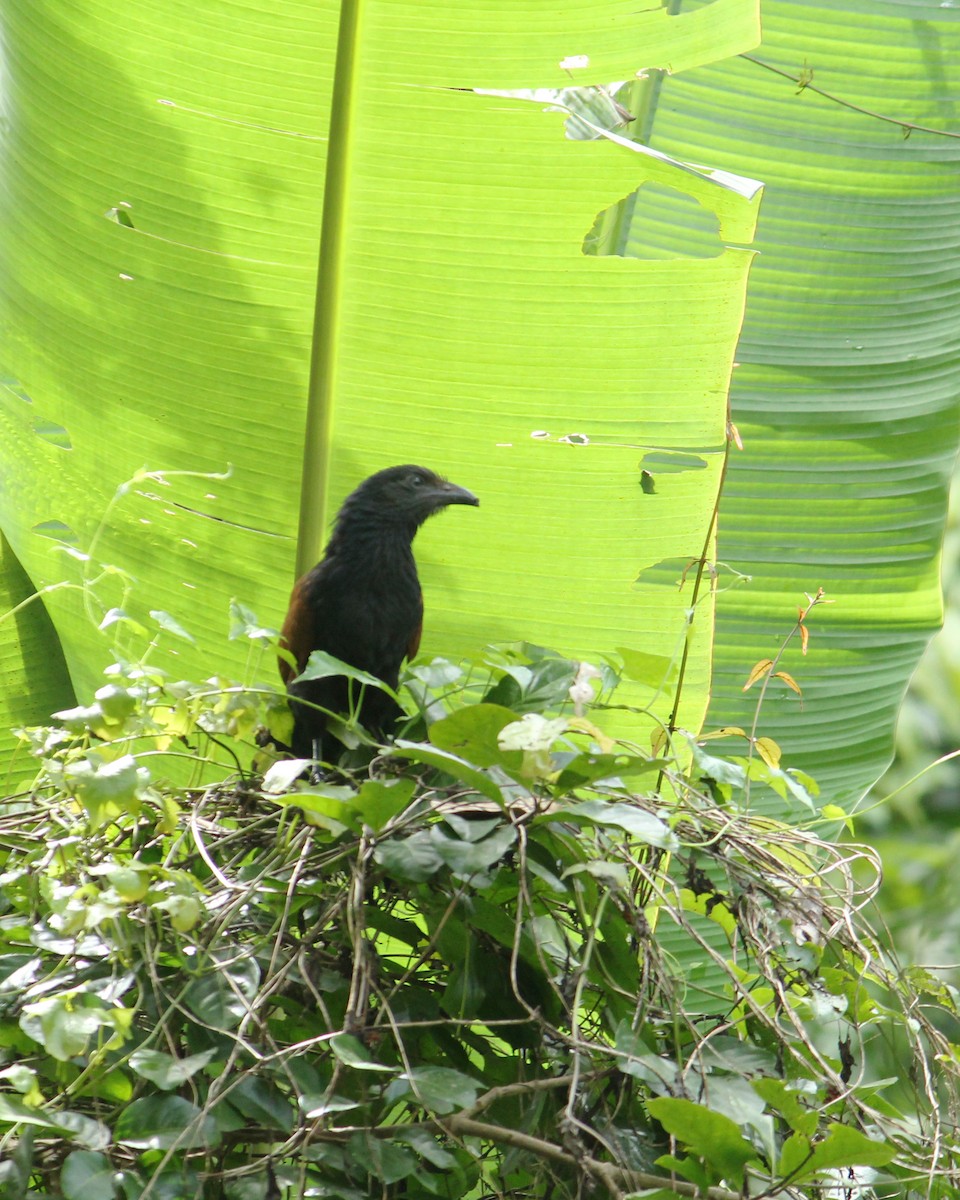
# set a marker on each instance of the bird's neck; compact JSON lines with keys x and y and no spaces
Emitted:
{"x":372,"y":545}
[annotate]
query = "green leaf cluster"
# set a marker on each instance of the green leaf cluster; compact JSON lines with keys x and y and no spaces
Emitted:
{"x":507,"y":954}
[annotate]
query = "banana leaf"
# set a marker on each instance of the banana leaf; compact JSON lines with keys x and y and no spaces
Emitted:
{"x":247,"y":259}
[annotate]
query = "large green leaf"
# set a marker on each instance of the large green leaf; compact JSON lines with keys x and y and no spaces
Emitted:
{"x":164,"y":188}
{"x":847,"y":393}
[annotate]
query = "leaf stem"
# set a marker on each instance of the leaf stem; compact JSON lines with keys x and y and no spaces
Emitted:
{"x":326,"y":328}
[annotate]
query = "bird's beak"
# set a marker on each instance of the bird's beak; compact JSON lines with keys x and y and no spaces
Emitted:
{"x":449,"y":493}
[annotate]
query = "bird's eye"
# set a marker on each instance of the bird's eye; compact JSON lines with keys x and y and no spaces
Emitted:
{"x":416,"y":480}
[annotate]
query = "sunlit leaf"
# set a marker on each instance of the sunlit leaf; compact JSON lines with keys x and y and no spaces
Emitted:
{"x":437,"y":1089}
{"x":352,"y":1053}
{"x":715,"y":1137}
{"x":473,"y":733}
{"x":166,"y":1071}
{"x":171,"y":625}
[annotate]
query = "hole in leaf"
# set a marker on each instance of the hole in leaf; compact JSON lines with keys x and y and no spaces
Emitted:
{"x":669,"y":462}
{"x":57,"y":532}
{"x":15,"y":388}
{"x":120,"y":215}
{"x":655,"y":222}
{"x":53,"y":433}
{"x":668,"y":572}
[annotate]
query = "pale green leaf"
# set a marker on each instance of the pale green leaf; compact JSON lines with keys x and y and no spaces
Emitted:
{"x":457,"y":315}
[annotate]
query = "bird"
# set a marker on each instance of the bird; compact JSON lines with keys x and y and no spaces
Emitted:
{"x":362,"y":603}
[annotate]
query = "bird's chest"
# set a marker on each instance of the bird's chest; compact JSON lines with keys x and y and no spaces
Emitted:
{"x":369,"y":612}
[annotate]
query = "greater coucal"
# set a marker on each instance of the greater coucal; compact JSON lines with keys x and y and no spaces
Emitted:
{"x":362,"y":603}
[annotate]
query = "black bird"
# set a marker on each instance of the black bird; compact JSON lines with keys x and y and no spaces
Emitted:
{"x":362,"y":603}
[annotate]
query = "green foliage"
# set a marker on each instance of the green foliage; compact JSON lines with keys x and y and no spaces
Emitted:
{"x":911,"y":815}
{"x":506,"y":955}
{"x":920,"y":789}
{"x":296,"y":252}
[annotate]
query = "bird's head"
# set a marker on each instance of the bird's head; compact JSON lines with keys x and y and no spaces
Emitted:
{"x":404,"y":497}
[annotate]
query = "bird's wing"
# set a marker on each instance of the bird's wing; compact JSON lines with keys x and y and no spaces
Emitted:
{"x":349,"y":625}
{"x":297,"y":634}
{"x":414,"y":644}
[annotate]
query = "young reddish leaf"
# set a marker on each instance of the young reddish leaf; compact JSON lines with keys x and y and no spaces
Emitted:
{"x":758,"y":672}
{"x":804,"y":638}
{"x":769,"y":751}
{"x":724,"y":731}
{"x":789,"y":681}
{"x":582,"y":725}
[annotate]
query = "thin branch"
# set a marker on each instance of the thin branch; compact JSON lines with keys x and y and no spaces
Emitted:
{"x":697,"y":583}
{"x":804,"y":84}
{"x":614,"y":1178}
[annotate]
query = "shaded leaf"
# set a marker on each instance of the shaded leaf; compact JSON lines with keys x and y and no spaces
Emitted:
{"x":260,"y":1101}
{"x":415,"y":858}
{"x":720,"y":769}
{"x":438,"y":1089}
{"x":222,"y":997}
{"x":590,"y":768}
{"x":87,"y":1176}
{"x":162,"y":1122}
{"x":778,"y":1095}
{"x":451,"y":765}
{"x":469,"y":857}
{"x":633,"y":820}
{"x":386,"y":1160}
{"x":321,"y":665}
{"x":713,"y":1136}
